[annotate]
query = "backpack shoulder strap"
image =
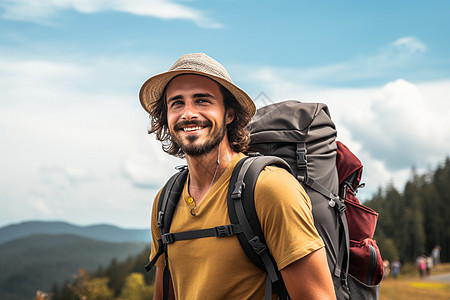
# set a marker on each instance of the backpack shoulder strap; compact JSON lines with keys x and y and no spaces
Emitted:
{"x":167,"y":202}
{"x":241,"y":210}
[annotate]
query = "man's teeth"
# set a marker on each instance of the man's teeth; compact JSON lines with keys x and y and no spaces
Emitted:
{"x":192,"y":128}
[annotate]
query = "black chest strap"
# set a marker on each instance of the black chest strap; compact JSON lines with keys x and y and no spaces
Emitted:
{"x":169,"y":238}
{"x":218,"y":231}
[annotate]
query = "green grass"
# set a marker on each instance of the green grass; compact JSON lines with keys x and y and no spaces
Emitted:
{"x":409,"y":286}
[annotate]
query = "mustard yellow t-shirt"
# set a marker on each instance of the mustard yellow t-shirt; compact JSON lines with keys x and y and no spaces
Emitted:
{"x":217,"y":268}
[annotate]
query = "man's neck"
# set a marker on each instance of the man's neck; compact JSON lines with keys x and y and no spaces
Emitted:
{"x":205,"y":170}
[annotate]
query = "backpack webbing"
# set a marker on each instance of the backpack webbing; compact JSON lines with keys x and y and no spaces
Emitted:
{"x":241,"y":210}
{"x":170,"y":195}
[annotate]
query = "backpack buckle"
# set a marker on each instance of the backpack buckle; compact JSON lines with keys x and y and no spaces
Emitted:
{"x":224,"y":231}
{"x":167,"y":238}
{"x":181,"y":167}
{"x":160,"y":219}
{"x":258,"y":247}
{"x":238,"y":188}
{"x":337,"y":204}
{"x":301,"y":158}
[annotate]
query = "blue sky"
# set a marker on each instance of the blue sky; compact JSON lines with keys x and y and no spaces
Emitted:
{"x":73,"y":141}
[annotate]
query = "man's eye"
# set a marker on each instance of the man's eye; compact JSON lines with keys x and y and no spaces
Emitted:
{"x":176,"y":103}
{"x":203,"y":101}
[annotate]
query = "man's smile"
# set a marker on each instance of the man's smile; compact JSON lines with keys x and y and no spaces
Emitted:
{"x":191,"y":126}
{"x":190,"y":129}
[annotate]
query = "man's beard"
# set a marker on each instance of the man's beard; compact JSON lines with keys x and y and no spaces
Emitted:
{"x":190,"y":149}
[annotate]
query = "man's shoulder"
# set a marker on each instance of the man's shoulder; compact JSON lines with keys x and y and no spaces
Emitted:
{"x":275,"y":182}
{"x":272,"y":174}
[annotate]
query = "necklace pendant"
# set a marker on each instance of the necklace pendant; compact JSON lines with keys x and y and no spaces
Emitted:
{"x":192,"y":212}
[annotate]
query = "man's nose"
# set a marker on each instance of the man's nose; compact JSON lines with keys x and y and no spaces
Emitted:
{"x":189,"y":112}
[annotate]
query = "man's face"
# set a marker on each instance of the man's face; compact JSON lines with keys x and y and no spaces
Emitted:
{"x":196,"y":114}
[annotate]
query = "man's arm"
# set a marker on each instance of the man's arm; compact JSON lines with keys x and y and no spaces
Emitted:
{"x":309,"y":277}
{"x":159,"y":290}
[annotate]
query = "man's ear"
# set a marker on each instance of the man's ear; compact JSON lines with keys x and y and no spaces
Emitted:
{"x":229,"y":116}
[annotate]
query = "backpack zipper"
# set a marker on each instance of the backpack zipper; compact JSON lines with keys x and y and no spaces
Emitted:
{"x":372,"y":265}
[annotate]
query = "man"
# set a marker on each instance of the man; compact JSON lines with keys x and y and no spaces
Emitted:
{"x":198,"y":113}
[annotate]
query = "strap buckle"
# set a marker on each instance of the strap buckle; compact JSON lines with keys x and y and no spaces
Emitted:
{"x":181,"y":167}
{"x":337,"y":204}
{"x":238,"y":188}
{"x":167,"y":238}
{"x":258,"y":247}
{"x":301,"y":158}
{"x":224,"y":231}
{"x":160,"y":219}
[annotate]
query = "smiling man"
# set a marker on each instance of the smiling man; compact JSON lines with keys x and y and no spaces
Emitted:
{"x":198,"y":113}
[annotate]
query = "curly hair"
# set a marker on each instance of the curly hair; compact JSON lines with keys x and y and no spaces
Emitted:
{"x":238,"y":136}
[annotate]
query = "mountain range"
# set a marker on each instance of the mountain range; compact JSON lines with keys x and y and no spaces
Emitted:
{"x":102,"y":232}
{"x":37,"y":255}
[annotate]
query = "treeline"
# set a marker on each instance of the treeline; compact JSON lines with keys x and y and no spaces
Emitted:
{"x":119,"y":281}
{"x":412,"y":222}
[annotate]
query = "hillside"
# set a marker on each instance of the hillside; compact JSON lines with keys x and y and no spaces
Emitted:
{"x":38,"y":261}
{"x":107,"y":233}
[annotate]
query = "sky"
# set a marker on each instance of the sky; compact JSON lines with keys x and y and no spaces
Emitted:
{"x":73,"y":137}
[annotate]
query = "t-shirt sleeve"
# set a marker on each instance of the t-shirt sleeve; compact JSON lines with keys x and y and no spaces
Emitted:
{"x":284,"y":211}
{"x":156,"y":234}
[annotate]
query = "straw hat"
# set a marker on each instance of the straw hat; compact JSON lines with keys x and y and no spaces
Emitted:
{"x":195,"y":63}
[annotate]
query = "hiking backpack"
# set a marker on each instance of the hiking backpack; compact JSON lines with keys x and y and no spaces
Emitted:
{"x":301,"y":138}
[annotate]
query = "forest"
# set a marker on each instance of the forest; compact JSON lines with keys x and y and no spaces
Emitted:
{"x":411,"y":223}
{"x":119,"y":281}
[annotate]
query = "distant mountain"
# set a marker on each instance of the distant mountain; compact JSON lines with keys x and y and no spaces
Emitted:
{"x":106,"y":233}
{"x":38,"y":261}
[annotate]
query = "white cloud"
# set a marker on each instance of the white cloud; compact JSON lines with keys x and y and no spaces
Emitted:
{"x":392,"y":58}
{"x":397,"y":126}
{"x":44,"y":11}
{"x":67,"y":131}
{"x":391,"y":128}
{"x":147,"y":165}
{"x":396,"y":54}
{"x":403,"y":127}
{"x":409,"y":45}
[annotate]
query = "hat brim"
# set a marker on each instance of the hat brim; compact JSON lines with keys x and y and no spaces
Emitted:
{"x":153,"y":89}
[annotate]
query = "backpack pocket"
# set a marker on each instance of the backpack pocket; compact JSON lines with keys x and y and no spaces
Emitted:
{"x":361,"y":291}
{"x":361,"y":220}
{"x":366,"y":263}
{"x":365,"y":270}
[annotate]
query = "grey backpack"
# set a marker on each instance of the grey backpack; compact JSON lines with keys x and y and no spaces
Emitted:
{"x":304,"y":135}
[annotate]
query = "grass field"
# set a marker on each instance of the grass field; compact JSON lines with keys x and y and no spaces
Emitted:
{"x":409,"y":286}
